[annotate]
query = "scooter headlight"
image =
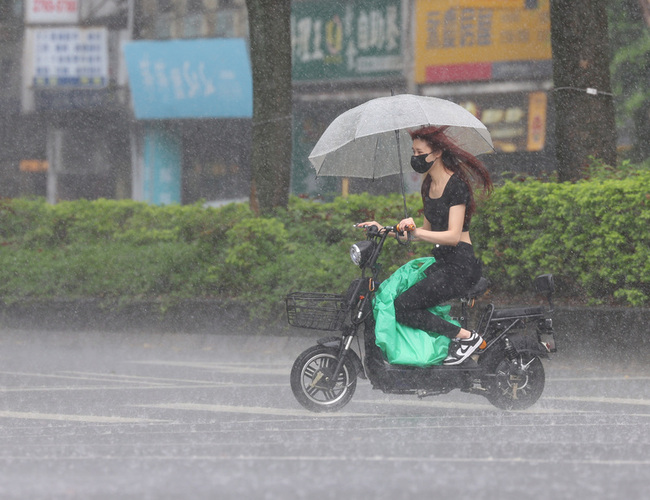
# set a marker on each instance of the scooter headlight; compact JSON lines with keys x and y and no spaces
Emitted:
{"x":360,"y":252}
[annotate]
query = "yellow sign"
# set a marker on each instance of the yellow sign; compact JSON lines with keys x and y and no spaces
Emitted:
{"x":33,"y":165}
{"x":500,"y":4}
{"x":516,"y":121}
{"x":477,"y":34}
{"x":536,"y":121}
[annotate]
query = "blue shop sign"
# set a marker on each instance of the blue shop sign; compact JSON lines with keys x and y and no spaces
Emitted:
{"x":206,"y":78}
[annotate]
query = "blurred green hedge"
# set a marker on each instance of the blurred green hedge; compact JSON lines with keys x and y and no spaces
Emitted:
{"x":593,"y":235}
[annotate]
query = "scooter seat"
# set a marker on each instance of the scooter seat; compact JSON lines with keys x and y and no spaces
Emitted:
{"x":516,"y":312}
{"x":478,"y":290}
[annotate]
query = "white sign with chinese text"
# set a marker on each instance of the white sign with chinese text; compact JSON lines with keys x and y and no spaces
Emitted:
{"x":65,"y":57}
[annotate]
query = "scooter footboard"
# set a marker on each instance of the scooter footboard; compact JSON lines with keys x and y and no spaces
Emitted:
{"x":409,"y":379}
{"x":438,"y":379}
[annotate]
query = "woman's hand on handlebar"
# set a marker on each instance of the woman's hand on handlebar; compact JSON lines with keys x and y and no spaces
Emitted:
{"x":368,"y":224}
{"x":406,"y":225}
{"x":401,"y":231}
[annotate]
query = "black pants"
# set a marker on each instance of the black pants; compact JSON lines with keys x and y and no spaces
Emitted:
{"x":453,"y":274}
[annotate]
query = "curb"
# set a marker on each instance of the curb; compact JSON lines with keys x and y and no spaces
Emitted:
{"x":197,"y":315}
{"x":599,"y":326}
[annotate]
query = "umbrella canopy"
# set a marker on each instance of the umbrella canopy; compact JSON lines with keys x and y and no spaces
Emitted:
{"x":362,"y":141}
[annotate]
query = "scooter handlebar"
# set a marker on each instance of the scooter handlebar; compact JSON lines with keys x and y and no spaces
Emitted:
{"x":372,"y":229}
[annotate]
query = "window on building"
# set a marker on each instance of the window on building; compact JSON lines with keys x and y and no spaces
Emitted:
{"x":164,"y":19}
{"x":194,"y":5}
{"x":11,"y":9}
{"x":165,"y":5}
{"x":226,"y":23}
{"x":193,"y":20}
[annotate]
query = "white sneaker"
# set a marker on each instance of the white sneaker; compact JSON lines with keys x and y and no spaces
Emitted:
{"x":461,"y":349}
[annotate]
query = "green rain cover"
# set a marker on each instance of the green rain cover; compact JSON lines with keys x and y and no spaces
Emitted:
{"x":404,"y":345}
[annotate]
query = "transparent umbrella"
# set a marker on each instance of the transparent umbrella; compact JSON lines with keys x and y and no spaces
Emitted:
{"x":368,"y":141}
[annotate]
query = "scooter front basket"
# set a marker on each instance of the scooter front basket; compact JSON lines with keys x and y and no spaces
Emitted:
{"x":318,"y":311}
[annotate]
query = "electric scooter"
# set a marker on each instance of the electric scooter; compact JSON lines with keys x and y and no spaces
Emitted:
{"x":508,"y":371}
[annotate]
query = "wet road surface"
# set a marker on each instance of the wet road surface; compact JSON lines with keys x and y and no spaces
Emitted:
{"x":97,"y":415}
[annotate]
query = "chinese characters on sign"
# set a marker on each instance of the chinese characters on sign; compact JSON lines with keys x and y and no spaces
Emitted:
{"x":459,"y":28}
{"x":208,"y":78}
{"x":52,"y":11}
{"x":70,"y":57}
{"x":184,"y":81}
{"x":471,"y":40}
{"x":337,"y":40}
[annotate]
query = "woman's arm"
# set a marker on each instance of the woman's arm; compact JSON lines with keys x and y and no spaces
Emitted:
{"x":451,"y":236}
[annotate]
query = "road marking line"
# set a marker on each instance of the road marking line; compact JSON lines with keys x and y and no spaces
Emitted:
{"x":215,"y":385}
{"x":336,"y":458}
{"x":71,"y":376}
{"x":592,"y":399}
{"x":135,"y":378}
{"x":590,"y":379}
{"x":464,"y":406}
{"x":221,"y":367}
{"x":77,"y":418}
{"x":257,"y":410}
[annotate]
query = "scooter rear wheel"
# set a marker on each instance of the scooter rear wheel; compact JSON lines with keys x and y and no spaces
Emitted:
{"x":517,"y":389}
{"x":311,"y":375}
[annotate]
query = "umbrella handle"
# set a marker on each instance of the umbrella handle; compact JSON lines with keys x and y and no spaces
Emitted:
{"x":407,"y":228}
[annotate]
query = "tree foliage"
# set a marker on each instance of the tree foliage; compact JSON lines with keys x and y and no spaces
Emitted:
{"x":630,"y":70}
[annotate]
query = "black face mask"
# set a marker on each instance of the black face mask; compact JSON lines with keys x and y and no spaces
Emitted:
{"x":420,"y":164}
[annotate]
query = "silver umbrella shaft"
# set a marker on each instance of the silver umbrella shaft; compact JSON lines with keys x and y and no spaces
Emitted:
{"x":401,"y":173}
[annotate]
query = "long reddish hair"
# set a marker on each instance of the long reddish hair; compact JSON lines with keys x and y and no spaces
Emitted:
{"x":469,"y":168}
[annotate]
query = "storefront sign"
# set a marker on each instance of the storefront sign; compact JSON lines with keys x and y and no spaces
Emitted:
{"x":69,"y":57}
{"x":465,"y":40}
{"x":516,"y":121}
{"x":537,"y":105}
{"x":336,"y":40}
{"x":162,"y":160}
{"x":52,"y":11}
{"x":33,"y":166}
{"x":207,"y":78}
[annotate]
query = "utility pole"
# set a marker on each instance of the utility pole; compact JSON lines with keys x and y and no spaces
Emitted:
{"x":54,"y":155}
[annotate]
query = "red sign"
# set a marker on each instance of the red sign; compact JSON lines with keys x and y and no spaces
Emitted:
{"x":52,"y":11}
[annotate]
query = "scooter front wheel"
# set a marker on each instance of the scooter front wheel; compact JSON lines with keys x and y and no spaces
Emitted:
{"x":312,"y":383}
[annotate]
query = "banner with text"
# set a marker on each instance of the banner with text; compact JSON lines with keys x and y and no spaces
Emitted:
{"x":346,"y":40}
{"x":469,"y":40}
{"x":198,"y":78}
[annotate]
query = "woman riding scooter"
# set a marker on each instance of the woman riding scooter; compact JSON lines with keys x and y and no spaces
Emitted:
{"x":448,"y":200}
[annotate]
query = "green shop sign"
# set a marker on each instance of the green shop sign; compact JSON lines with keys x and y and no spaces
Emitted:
{"x":351,"y":40}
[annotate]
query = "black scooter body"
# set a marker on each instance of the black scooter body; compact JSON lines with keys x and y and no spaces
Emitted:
{"x":438,"y":379}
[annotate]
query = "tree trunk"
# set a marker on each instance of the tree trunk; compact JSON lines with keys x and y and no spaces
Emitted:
{"x":645,"y":8}
{"x":585,"y":123}
{"x":270,"y":48}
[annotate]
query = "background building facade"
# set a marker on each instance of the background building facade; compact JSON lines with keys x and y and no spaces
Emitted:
{"x":151,"y":99}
